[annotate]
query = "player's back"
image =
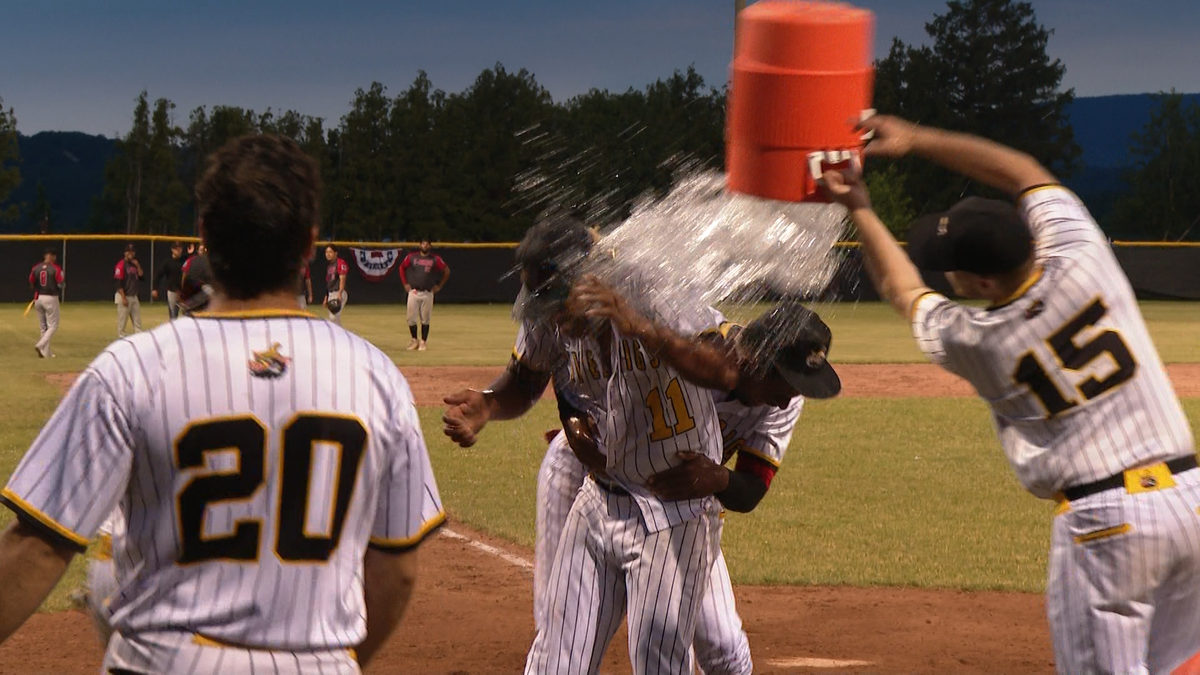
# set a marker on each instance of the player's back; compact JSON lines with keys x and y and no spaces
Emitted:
{"x":1077,"y":389}
{"x":269,"y":449}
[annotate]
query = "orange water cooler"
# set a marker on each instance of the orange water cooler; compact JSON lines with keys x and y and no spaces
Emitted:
{"x":802,"y":78}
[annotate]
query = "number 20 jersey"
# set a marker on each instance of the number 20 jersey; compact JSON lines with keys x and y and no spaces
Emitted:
{"x":1076,"y":387}
{"x":253,"y":458}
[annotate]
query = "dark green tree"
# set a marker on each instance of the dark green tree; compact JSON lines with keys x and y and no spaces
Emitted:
{"x":1163,"y":203}
{"x":987,"y":73}
{"x":163,"y":193}
{"x":10,"y":158}
{"x":118,"y":208}
{"x":40,"y":214}
{"x":364,"y":181}
{"x":488,"y":134}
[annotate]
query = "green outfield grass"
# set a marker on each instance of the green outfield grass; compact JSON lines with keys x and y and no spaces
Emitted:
{"x":875,"y":491}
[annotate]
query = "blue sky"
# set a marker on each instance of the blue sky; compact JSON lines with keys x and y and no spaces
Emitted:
{"x":78,"y":64}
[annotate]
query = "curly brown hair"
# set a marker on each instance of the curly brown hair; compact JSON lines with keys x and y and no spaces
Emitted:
{"x":258,"y":202}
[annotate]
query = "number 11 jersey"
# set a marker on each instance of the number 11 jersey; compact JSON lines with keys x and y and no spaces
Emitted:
{"x":1076,"y":387}
{"x":253,"y":459}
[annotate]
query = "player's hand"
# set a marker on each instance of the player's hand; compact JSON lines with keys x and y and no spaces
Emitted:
{"x":407,"y":288}
{"x":581,"y":437}
{"x":153,"y":295}
{"x":698,"y":476}
{"x":125,"y":300}
{"x":846,"y":187}
{"x":310,"y":298}
{"x":598,"y":301}
{"x":892,"y":136}
{"x":467,"y":414}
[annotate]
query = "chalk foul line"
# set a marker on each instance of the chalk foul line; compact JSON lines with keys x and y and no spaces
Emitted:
{"x":507,"y":557}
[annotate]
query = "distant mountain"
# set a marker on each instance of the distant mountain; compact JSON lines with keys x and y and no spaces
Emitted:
{"x":70,"y":167}
{"x":1103,"y":127}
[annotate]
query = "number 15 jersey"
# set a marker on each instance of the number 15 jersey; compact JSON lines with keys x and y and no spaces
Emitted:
{"x":253,"y":459}
{"x":1076,"y":387}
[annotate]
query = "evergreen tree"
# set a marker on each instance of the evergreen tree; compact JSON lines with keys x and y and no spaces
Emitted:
{"x":10,"y":158}
{"x":987,"y":73}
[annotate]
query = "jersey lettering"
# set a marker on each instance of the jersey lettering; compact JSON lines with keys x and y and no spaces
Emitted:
{"x":684,"y":422}
{"x":1073,"y":356}
{"x":247,"y":437}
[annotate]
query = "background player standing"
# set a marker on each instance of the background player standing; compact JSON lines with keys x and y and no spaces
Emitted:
{"x":423,"y":274}
{"x":335,"y":284}
{"x":128,"y":275}
{"x":271,"y":510}
{"x":47,"y":281}
{"x":304,"y":298}
{"x":196,"y":285}
{"x":170,"y":274}
{"x":1078,"y":394}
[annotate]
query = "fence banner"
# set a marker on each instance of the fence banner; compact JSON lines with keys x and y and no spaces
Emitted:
{"x":375,"y":263}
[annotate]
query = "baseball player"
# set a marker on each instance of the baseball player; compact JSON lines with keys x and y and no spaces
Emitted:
{"x":170,"y":274}
{"x":269,"y":467}
{"x":305,"y":298}
{"x":640,"y":548}
{"x":1078,"y":394}
{"x":47,"y":281}
{"x":757,"y":419}
{"x":195,"y":286}
{"x":423,"y":275}
{"x":335,"y":284}
{"x":128,"y":275}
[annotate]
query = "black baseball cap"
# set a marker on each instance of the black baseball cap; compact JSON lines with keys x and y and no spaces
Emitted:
{"x":795,"y":341}
{"x":977,"y":235}
{"x":50,"y":250}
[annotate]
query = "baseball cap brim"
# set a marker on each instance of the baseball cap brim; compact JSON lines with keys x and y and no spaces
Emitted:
{"x":822,"y":382}
{"x":926,"y":249}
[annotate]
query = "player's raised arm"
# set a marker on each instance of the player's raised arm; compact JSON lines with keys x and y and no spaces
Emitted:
{"x":707,"y":363}
{"x":988,"y":162}
{"x":892,"y":272}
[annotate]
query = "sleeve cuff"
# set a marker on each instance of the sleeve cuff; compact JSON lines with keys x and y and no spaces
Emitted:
{"x":912,"y":308}
{"x":409,"y":543}
{"x":48,"y":526}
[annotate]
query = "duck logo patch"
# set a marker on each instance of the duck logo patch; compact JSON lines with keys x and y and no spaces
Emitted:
{"x":269,"y":364}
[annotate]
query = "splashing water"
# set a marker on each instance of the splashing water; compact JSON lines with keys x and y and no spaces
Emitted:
{"x":703,"y":245}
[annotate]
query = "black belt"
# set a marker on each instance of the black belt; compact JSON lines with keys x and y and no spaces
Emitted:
{"x":610,"y":487}
{"x":1178,"y":465}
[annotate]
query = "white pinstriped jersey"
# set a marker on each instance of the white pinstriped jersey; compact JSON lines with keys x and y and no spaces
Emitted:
{"x":646,"y":412}
{"x":1076,"y":387}
{"x":253,"y":458}
{"x":763,"y":431}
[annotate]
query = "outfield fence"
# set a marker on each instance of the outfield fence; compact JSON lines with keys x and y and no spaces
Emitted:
{"x":482,"y":273}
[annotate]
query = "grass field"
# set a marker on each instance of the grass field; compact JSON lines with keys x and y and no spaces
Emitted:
{"x":901,"y":491}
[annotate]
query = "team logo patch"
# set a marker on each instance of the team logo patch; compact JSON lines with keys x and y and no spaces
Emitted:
{"x":269,"y":364}
{"x":1035,"y":308}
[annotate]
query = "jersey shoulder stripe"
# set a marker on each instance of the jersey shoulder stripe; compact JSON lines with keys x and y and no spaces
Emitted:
{"x":396,"y":545}
{"x":42,"y":521}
